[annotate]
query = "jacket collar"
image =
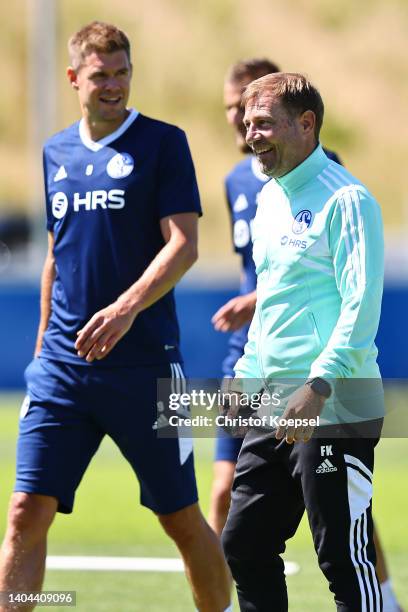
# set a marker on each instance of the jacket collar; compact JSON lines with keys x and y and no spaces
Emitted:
{"x":304,"y":172}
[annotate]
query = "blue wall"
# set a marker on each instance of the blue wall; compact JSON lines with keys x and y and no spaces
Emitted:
{"x":203,"y":348}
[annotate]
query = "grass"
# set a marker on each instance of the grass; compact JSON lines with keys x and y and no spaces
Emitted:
{"x":109,"y":521}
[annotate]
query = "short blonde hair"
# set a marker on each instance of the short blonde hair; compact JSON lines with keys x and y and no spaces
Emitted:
{"x":96,"y":36}
{"x":295,"y":91}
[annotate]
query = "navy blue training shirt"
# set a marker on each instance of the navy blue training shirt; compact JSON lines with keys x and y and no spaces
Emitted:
{"x":243,"y":186}
{"x":104,"y":203}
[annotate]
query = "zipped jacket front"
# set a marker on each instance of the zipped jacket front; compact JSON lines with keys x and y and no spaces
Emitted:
{"x":319,"y":255}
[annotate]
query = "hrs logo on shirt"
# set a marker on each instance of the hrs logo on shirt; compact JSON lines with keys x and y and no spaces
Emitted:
{"x":90,"y":200}
{"x":119,"y":166}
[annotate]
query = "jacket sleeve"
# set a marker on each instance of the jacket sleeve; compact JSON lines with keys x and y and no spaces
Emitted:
{"x":357,"y":248}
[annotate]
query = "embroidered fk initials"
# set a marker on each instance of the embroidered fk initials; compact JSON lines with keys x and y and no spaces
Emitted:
{"x":326,"y":451}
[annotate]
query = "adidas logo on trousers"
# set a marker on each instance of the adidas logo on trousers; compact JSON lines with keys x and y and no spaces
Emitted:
{"x":325,"y":467}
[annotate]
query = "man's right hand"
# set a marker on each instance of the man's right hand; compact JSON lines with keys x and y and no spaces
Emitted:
{"x":235,"y":313}
{"x":103,"y":331}
{"x":305,"y":404}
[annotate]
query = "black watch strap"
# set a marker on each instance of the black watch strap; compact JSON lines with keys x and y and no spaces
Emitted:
{"x":320,"y":385}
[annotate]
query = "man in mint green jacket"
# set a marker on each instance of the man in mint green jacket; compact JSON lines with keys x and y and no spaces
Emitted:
{"x":318,"y":250}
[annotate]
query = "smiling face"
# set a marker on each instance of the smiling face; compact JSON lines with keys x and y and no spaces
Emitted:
{"x":279,"y":140}
{"x":103,"y":84}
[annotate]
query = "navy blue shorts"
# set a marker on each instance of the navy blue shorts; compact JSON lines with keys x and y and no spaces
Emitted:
{"x":226,"y":446}
{"x":67,"y":412}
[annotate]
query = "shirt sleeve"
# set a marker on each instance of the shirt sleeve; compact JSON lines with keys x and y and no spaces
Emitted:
{"x":50,"y":216}
{"x":177,"y":184}
{"x":230,"y":213}
{"x":357,"y":248}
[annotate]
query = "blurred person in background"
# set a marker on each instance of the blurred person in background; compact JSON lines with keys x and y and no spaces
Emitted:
{"x":122,"y":207}
{"x":243,"y":186}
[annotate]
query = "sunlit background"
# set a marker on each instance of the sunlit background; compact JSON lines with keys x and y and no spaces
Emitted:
{"x":356,"y":52}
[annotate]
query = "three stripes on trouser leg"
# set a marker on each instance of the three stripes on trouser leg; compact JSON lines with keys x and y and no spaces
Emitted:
{"x":359,"y":482}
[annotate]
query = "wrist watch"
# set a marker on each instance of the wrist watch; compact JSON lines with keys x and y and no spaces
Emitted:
{"x":320,"y":386}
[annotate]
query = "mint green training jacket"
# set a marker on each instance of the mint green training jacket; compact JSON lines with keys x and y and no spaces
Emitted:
{"x":319,"y":255}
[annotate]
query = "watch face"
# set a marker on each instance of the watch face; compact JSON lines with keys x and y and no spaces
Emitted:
{"x":322,"y":387}
{"x":319,"y":385}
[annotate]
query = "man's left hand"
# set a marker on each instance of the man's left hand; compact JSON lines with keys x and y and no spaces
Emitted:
{"x":304,"y":403}
{"x":235,"y":313}
{"x":103,"y":331}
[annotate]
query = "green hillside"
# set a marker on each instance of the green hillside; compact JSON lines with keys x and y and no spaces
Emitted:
{"x":355,"y":51}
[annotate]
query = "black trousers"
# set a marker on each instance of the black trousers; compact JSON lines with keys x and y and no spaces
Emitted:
{"x":274,"y":483}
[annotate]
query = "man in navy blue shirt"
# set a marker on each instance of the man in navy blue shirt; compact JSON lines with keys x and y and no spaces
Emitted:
{"x":243,"y":185}
{"x":122,"y":207}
